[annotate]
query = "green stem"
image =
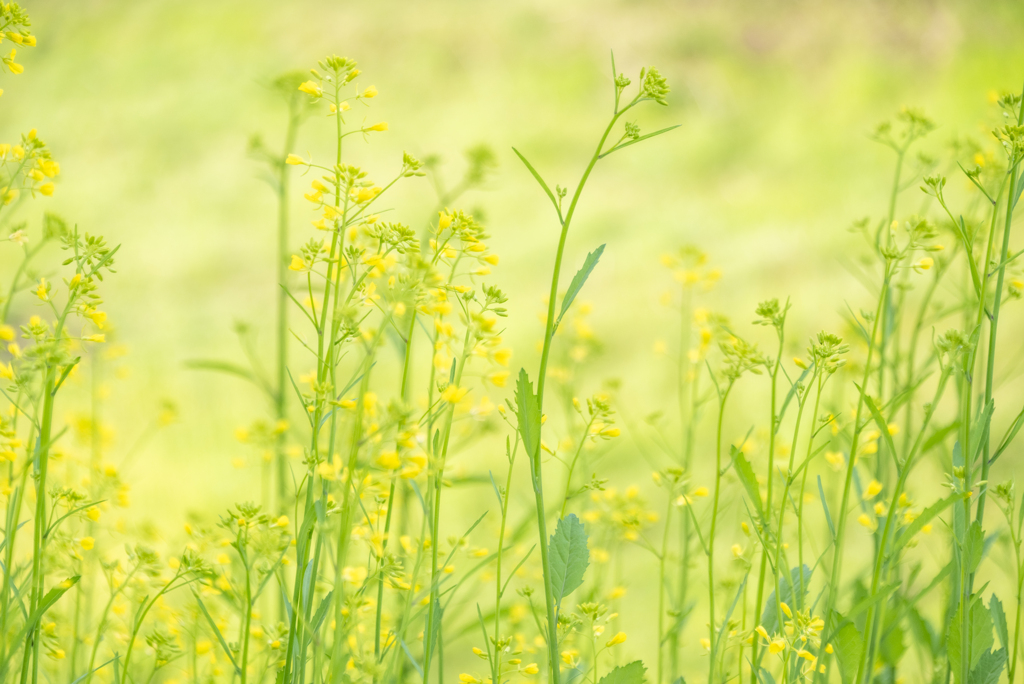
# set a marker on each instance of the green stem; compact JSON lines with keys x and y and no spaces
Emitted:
{"x":858,"y":426}
{"x":711,"y":536}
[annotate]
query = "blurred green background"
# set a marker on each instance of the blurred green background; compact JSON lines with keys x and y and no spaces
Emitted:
{"x":149,"y":106}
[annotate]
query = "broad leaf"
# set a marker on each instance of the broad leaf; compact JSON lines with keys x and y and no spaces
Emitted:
{"x":568,"y":557}
{"x":632,"y":673}
{"x":849,"y":647}
{"x":798,"y":580}
{"x":980,"y":638}
{"x":989,"y":667}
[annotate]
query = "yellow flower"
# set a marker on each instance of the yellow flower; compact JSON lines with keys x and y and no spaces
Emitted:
{"x":867,"y":521}
{"x":699,"y":491}
{"x":785,"y":609}
{"x":298,"y":264}
{"x":873,"y":489}
{"x":498,"y":378}
{"x":382,"y":126}
{"x":370,"y":92}
{"x":454,"y":394}
{"x":43,"y":290}
{"x":87,"y":543}
{"x":15,"y":69}
{"x":46,"y":189}
{"x":294,"y":160}
{"x":706,"y":643}
{"x":311,"y":88}
{"x":616,"y":640}
{"x":777,"y":646}
{"x":530,"y":669}
{"x":762,"y":632}
{"x":835,"y":459}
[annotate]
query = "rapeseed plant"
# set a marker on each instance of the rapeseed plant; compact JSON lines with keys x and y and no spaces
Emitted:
{"x":390,"y":371}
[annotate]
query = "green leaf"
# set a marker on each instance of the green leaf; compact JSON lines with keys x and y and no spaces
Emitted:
{"x":529,"y":415}
{"x":568,"y":557}
{"x":577,"y":283}
{"x":883,"y":428}
{"x":632,"y":673}
{"x":999,"y":620}
{"x":980,"y":639}
{"x":547,"y":190}
{"x":849,"y":647}
{"x":893,"y":647}
{"x":228,"y":368}
{"x":216,"y":630}
{"x":927,"y":515}
{"x":799,"y":580}
{"x":974,"y":546}
{"x":747,"y":478}
{"x":989,"y":667}
{"x":640,"y":139}
{"x":51,"y":597}
{"x":824,"y":505}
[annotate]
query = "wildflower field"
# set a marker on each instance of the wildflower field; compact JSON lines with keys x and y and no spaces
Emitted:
{"x":580,"y":342}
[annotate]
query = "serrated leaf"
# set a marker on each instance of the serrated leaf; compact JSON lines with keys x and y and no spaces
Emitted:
{"x":989,"y":667}
{"x":799,"y":580}
{"x":568,"y":557}
{"x":995,"y":607}
{"x":577,"y":283}
{"x":631,"y":673}
{"x":528,"y":414}
{"x":974,"y":546}
{"x":747,"y":478}
{"x":849,"y":647}
{"x":980,"y":639}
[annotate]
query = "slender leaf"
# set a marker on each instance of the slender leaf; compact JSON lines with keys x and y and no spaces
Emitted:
{"x":216,"y":630}
{"x":529,"y":416}
{"x":640,"y":139}
{"x":927,"y":515}
{"x":577,"y":283}
{"x":547,"y":190}
{"x":746,"y":474}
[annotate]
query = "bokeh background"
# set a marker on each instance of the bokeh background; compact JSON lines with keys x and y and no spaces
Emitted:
{"x":149,"y":106}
